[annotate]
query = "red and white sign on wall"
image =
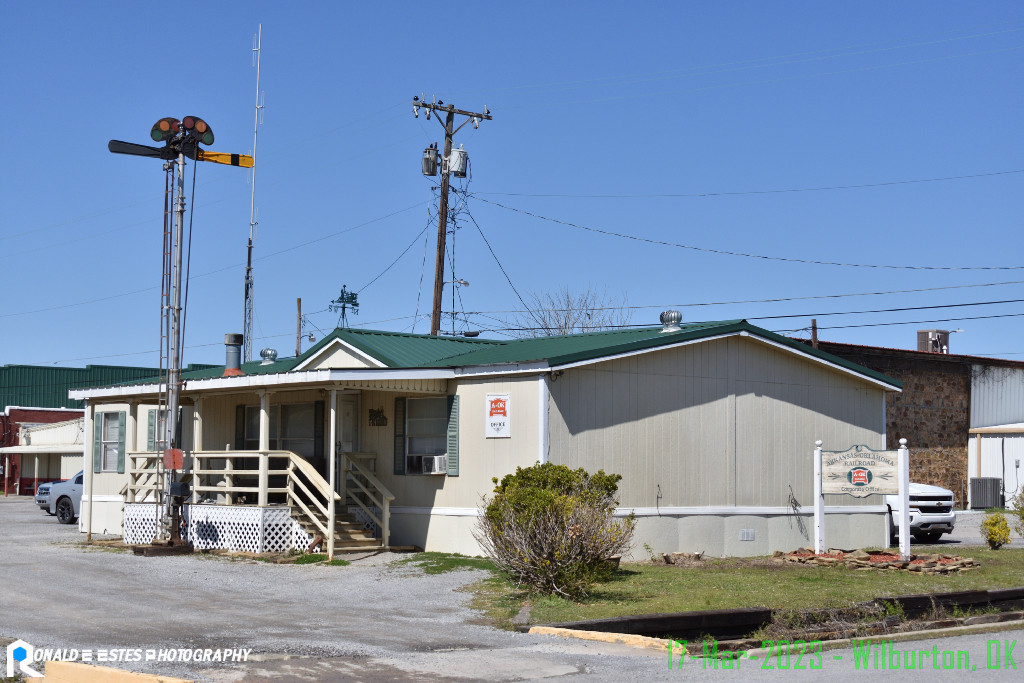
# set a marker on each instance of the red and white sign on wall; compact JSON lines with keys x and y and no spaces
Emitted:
{"x":498,"y":416}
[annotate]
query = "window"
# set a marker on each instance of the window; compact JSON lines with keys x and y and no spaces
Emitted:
{"x":156,"y":439}
{"x":426,"y":435}
{"x":252,"y":428}
{"x":108,"y":442}
{"x":296,"y":427}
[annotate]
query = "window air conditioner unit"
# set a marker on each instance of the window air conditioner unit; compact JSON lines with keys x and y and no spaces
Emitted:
{"x":435,"y":464}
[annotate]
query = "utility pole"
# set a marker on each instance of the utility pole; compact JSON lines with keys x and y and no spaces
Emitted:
{"x":298,"y":327}
{"x":450,"y":113}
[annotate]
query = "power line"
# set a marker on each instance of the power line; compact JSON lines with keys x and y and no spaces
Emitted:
{"x":886,"y":310}
{"x":740,"y":193}
{"x":774,"y":300}
{"x":399,"y":258}
{"x":217,"y":270}
{"x":723,"y":252}
{"x":910,"y":322}
{"x":498,"y":261}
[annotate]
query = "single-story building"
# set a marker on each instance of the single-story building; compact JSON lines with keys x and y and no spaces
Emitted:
{"x":994,"y":459}
{"x":946,"y":400}
{"x":48,"y":452}
{"x":711,"y":425}
{"x":34,"y":395}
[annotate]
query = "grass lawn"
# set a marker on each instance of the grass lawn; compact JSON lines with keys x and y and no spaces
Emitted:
{"x":741,"y":582}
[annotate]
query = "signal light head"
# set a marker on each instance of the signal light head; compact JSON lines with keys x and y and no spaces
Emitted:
{"x":199,"y":129}
{"x":165,"y":129}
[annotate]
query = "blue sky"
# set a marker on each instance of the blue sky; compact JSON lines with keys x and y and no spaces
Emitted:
{"x":858,"y":133}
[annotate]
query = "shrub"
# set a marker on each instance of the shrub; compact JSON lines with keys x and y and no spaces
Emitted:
{"x":551,"y":528}
{"x":995,"y":530}
{"x":1017,"y":508}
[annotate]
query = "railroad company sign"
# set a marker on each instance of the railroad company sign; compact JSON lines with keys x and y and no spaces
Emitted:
{"x":859,"y":471}
{"x":498,"y":423}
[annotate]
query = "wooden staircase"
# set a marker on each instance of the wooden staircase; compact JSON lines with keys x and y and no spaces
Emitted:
{"x":349,"y":534}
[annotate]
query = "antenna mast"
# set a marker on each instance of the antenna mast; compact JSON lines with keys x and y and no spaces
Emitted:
{"x":247,"y":322}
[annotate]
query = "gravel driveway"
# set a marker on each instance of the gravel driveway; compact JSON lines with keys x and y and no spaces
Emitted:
{"x":367,"y":621}
{"x":370,"y":621}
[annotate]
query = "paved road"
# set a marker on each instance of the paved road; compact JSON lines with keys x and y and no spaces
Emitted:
{"x":370,"y":621}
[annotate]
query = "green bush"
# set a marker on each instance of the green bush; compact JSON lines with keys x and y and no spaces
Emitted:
{"x":995,"y":530}
{"x":551,"y":528}
{"x":1017,"y":509}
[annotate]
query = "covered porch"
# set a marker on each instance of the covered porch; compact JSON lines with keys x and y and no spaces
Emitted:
{"x":290,"y":473}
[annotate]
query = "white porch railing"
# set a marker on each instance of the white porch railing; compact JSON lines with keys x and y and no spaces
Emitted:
{"x":246,"y":478}
{"x":368,"y":492}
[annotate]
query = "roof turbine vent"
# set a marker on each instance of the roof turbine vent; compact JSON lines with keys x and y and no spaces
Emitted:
{"x":670,"y":321}
{"x":269,"y":356}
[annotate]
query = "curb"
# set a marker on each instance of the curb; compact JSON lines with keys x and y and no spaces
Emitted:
{"x":645,"y":642}
{"x":603,"y":637}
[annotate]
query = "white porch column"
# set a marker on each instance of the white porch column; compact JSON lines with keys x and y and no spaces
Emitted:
{"x":543,"y":397}
{"x":197,"y":424}
{"x":262,"y":499}
{"x":333,"y":474}
{"x":197,"y":444}
{"x":90,"y":415}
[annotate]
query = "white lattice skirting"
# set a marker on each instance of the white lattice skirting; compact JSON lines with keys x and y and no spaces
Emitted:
{"x":365,"y":519}
{"x":225,"y":527}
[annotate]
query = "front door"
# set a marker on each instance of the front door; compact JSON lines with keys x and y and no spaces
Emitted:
{"x":347,"y":431}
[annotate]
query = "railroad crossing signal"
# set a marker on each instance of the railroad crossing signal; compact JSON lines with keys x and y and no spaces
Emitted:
{"x":181,"y":137}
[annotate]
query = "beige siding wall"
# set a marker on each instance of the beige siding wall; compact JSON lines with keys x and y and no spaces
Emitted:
{"x":723,"y":422}
{"x":480,"y":458}
{"x":106,"y":486}
{"x":338,"y":356}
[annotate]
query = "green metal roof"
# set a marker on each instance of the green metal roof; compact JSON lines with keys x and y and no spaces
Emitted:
{"x":34,"y":386}
{"x":564,"y":349}
{"x":397,"y":350}
{"x":407,"y":351}
{"x":400,"y":350}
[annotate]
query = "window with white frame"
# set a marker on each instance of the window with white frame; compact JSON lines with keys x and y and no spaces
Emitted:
{"x":426,"y":434}
{"x":111,"y":438}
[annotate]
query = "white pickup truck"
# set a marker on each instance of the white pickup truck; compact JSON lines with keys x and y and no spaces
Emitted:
{"x":931,"y":512}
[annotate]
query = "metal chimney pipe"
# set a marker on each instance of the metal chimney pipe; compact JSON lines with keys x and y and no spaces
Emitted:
{"x":233,"y":355}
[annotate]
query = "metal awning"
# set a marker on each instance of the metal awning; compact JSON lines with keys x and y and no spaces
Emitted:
{"x":63,"y":448}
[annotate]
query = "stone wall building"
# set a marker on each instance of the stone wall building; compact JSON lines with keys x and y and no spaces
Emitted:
{"x":934,"y":411}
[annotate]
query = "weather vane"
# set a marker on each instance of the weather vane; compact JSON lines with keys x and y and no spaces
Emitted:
{"x":345,"y":301}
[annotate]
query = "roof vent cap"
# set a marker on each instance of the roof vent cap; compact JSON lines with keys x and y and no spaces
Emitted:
{"x":670,"y":321}
{"x":269,"y":356}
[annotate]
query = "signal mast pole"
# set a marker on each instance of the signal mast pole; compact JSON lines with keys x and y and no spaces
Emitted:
{"x":442,"y":222}
{"x":181,"y":139}
{"x":248,"y":315}
{"x":174,"y":350}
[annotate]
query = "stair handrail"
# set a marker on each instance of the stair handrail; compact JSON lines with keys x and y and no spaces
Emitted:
{"x":320,"y":485}
{"x":384,"y":499}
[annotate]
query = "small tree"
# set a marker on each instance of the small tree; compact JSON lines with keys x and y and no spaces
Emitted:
{"x":567,"y":312}
{"x":551,"y":528}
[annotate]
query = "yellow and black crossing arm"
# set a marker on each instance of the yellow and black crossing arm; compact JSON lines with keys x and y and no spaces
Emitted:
{"x":243,"y":160}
